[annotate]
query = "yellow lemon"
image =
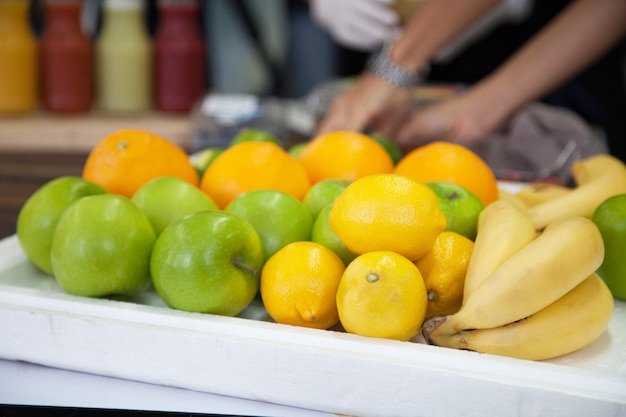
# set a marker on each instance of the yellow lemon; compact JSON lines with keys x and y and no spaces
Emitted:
{"x":299,"y":285}
{"x":388,"y":212}
{"x":444,"y":269}
{"x":382,"y":294}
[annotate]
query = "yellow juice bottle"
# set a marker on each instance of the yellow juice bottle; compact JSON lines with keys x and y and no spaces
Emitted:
{"x":18,"y":59}
{"x":124,"y":58}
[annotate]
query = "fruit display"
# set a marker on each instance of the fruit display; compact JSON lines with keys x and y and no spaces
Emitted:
{"x":101,"y":246}
{"x":299,"y":284}
{"x":597,"y":178}
{"x":39,"y":216}
{"x":382,"y":294}
{"x":207,"y":262}
{"x":345,"y":235}
{"x":610,"y":217}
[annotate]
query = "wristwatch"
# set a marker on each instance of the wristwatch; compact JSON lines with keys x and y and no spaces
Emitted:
{"x":381,"y":65}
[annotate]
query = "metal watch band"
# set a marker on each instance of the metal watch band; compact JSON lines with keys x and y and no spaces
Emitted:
{"x":381,"y":65}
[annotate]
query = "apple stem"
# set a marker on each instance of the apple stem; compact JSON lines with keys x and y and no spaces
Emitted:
{"x":241,"y":265}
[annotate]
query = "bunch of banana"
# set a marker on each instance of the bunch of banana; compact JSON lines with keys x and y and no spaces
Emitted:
{"x":504,"y":230}
{"x":535,"y":194}
{"x":597,"y":178}
{"x":537,"y":299}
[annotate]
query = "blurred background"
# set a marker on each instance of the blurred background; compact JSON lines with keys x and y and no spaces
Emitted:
{"x":259,"y":47}
{"x":72,"y":71}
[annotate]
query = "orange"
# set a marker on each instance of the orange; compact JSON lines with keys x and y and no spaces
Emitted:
{"x":444,"y":161}
{"x":444,"y":269}
{"x":299,"y":285}
{"x":124,"y":161}
{"x":253,"y":165}
{"x":344,"y":155}
{"x":388,"y":212}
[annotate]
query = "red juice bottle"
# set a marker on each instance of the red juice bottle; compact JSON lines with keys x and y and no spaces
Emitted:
{"x":180,"y":67}
{"x":66,"y":57}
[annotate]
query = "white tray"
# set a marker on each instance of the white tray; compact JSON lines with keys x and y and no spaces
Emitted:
{"x":328,"y":371}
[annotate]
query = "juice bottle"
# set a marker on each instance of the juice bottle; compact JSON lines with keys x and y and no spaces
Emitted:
{"x":124,"y":58}
{"x":18,"y":59}
{"x":66,"y":59}
{"x":180,"y":78}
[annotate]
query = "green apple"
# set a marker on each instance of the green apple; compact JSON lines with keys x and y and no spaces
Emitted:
{"x":102,"y":247}
{"x":610,"y":217}
{"x":166,"y":199}
{"x":323,"y":193}
{"x":208,"y":262}
{"x":248,"y":134}
{"x":296,"y":150}
{"x":324,"y":235}
{"x":392,"y":149}
{"x":460,"y":206}
{"x":202,"y":159}
{"x":277,"y":217}
{"x":39,"y":215}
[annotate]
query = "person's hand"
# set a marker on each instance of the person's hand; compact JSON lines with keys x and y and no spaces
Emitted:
{"x":370,"y":101}
{"x":359,"y":24}
{"x":460,"y":120}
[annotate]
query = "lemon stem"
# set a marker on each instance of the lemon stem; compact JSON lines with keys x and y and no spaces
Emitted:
{"x":121,"y":145}
{"x":371,"y":277}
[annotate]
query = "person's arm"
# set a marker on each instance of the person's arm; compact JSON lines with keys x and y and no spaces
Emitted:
{"x":433,"y":26}
{"x":580,"y":35}
{"x":575,"y":39}
{"x":436,"y":24}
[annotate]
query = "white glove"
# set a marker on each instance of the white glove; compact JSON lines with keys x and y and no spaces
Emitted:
{"x":358,"y":24}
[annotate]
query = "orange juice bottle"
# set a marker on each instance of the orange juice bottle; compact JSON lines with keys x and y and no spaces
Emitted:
{"x":124,"y":58}
{"x":18,"y":59}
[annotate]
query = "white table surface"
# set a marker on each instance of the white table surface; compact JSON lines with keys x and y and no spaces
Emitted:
{"x":24,"y":383}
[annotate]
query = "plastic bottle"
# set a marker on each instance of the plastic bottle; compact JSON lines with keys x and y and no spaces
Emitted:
{"x":180,"y":75}
{"x":18,"y":59}
{"x":124,"y":58}
{"x":66,"y":59}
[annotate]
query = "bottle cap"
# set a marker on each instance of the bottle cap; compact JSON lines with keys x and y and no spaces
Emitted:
{"x":124,"y":4}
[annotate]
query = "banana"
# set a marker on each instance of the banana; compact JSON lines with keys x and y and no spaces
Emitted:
{"x":503,"y":229}
{"x":537,"y":193}
{"x":598,"y":178}
{"x":570,"y":323}
{"x":590,"y":169}
{"x":540,"y":273}
{"x":512,"y":198}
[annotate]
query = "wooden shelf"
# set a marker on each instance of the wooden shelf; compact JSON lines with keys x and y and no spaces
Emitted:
{"x":38,"y":147}
{"x":43,"y":132}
